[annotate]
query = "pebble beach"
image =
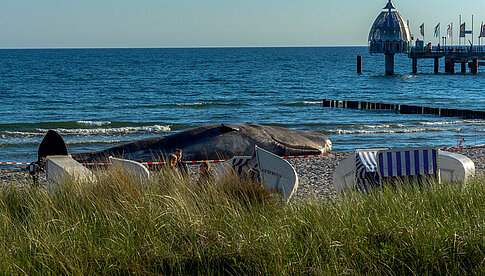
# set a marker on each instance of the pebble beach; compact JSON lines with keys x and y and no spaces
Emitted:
{"x":315,"y":173}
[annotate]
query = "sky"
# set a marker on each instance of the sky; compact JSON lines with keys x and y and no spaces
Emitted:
{"x":215,"y":23}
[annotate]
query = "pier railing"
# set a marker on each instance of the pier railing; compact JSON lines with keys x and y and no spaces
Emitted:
{"x":444,"y":50}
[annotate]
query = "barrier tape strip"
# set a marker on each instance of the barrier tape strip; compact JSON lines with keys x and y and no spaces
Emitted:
{"x":13,"y":163}
{"x":223,"y":160}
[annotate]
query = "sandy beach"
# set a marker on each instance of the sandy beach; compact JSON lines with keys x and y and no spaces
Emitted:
{"x":315,"y":173}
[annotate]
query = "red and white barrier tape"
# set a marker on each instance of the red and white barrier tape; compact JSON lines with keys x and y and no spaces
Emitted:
{"x":223,"y":160}
{"x":13,"y":163}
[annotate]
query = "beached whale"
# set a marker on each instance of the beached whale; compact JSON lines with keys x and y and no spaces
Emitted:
{"x":208,"y":142}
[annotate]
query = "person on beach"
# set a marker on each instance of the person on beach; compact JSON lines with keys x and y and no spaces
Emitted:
{"x":170,"y":164}
{"x":182,"y":167}
{"x":205,"y":174}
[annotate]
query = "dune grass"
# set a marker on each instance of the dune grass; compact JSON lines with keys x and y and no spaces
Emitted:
{"x":173,"y":226}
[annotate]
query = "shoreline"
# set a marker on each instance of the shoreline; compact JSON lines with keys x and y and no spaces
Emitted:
{"x":315,"y":173}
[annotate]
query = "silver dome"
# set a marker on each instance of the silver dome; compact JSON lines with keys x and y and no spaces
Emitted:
{"x":389,"y":33}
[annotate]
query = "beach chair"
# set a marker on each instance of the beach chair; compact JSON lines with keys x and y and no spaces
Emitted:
{"x":455,"y":167}
{"x":236,"y":164}
{"x":408,"y":164}
{"x":276,"y":173}
{"x":62,"y":167}
{"x":131,"y":168}
{"x":366,"y":169}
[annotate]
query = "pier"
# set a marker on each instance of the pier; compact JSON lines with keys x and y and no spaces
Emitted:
{"x":390,"y":35}
{"x":468,"y":56}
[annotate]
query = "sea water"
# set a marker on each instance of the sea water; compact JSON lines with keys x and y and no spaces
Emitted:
{"x":98,"y":98}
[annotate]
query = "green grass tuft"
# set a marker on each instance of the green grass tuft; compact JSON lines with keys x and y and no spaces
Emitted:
{"x":172,"y":226}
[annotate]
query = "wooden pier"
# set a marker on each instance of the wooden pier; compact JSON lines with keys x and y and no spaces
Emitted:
{"x":407,"y":109}
{"x":473,"y":56}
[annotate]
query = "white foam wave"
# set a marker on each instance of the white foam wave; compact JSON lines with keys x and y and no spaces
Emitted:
{"x":385,"y":126}
{"x":471,"y":122}
{"x":312,"y":102}
{"x":95,"y":142}
{"x":192,"y":104}
{"x":110,"y":131}
{"x":22,"y":133}
{"x":94,"y":123}
{"x":387,"y":131}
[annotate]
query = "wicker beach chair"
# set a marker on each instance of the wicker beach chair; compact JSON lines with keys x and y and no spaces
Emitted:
{"x":132,"y":168}
{"x":416,"y":164}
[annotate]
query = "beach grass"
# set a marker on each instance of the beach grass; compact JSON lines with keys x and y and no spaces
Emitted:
{"x":174,"y":226}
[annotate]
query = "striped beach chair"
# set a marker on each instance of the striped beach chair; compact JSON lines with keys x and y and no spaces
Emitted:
{"x":366,"y":174}
{"x":417,"y":163}
{"x":240,"y":163}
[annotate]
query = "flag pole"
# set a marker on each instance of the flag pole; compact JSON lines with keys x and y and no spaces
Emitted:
{"x":451,"y":33}
{"x":459,"y":34}
{"x":480,"y":36}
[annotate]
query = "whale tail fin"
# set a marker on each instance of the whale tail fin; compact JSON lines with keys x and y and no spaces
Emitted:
{"x":52,"y":144}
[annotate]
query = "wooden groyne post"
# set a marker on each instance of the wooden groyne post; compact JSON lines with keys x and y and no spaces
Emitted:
{"x":407,"y":109}
{"x":359,"y":64}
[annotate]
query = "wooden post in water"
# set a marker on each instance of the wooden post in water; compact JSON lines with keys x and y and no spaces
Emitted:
{"x":474,"y":68}
{"x":463,"y":67}
{"x":353,"y":104}
{"x":436,"y":65}
{"x":449,"y":66}
{"x":359,"y":64}
{"x":390,"y":64}
{"x":415,"y":65}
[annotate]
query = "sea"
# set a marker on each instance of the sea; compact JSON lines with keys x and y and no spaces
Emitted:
{"x":98,"y":98}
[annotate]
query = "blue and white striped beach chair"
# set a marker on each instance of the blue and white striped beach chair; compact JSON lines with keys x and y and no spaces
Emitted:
{"x":366,"y":174}
{"x":418,"y":162}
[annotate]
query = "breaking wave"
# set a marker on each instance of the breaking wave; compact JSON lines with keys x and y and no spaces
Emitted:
{"x":119,"y":130}
{"x":303,"y":103}
{"x":90,"y":131}
{"x":387,"y":131}
{"x":93,"y":123}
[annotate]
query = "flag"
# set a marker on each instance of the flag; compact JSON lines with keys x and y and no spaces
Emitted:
{"x":437,"y":31}
{"x":449,"y":31}
{"x":462,"y":30}
{"x":422,"y":29}
{"x":482,"y":31}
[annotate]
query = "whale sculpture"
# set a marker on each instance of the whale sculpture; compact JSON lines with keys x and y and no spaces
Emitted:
{"x":216,"y":141}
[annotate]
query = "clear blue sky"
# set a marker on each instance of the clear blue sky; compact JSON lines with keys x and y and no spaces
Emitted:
{"x":192,"y":23}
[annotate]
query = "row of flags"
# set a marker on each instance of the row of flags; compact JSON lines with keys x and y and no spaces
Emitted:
{"x":449,"y":30}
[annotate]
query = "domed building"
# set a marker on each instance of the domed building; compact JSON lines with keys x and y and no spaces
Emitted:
{"x":389,"y":35}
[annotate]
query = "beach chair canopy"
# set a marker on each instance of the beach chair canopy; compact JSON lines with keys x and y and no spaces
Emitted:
{"x":408,"y":162}
{"x":366,"y":174}
{"x":372,"y":166}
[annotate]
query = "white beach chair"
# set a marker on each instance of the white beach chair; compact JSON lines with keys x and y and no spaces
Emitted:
{"x":455,"y":167}
{"x":62,"y":167}
{"x":276,"y":173}
{"x":131,"y":168}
